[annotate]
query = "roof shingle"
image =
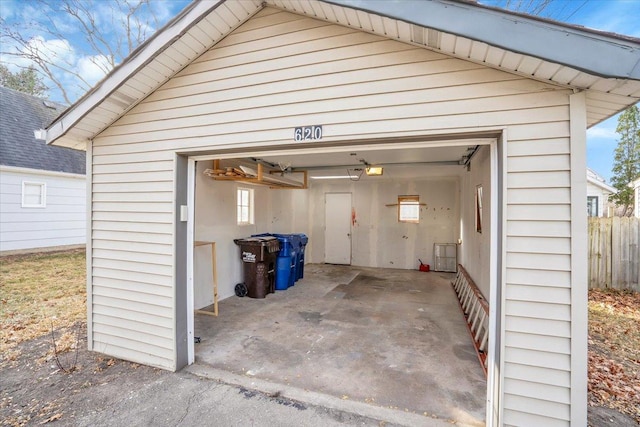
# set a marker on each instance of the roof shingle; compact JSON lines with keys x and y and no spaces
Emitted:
{"x":20,"y":115}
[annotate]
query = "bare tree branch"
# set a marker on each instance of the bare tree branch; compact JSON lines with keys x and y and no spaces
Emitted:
{"x":103,"y":34}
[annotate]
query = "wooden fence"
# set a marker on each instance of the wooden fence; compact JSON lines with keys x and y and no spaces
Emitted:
{"x":614,"y":254}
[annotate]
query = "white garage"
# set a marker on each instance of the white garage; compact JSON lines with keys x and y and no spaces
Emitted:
{"x":484,"y":133}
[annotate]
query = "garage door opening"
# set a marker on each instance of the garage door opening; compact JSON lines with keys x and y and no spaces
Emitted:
{"x":376,"y":329}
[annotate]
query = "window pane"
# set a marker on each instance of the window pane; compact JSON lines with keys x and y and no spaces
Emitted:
{"x":592,"y":206}
{"x":33,"y":194}
{"x":409,"y":212}
{"x":479,"y":212}
{"x":409,"y":208}
{"x":244,"y":206}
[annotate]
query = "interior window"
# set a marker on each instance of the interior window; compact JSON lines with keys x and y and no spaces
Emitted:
{"x":245,"y":206}
{"x":409,"y":209}
{"x":479,"y":208}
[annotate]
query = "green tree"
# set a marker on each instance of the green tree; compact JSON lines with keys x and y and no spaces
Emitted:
{"x":26,"y":80}
{"x":626,"y":161}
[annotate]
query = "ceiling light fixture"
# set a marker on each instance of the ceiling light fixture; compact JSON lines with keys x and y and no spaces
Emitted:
{"x":334,"y":177}
{"x":371,"y":170}
{"x":374,"y":170}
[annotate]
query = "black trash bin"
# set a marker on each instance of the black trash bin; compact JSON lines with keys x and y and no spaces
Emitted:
{"x":258,"y":255}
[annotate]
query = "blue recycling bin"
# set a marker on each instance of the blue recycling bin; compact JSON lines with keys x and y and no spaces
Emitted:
{"x":302,"y":240}
{"x":286,"y":261}
{"x":283,"y":272}
{"x":295,"y":242}
{"x":289,"y":254}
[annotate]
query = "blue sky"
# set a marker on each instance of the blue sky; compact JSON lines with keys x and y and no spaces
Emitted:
{"x":618,"y":16}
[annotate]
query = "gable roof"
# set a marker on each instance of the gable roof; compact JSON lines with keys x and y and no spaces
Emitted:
{"x":598,"y":181}
{"x":606,"y":66}
{"x":20,"y":115}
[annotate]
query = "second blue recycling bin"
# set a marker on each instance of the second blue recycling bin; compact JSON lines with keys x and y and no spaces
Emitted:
{"x":302,"y":243}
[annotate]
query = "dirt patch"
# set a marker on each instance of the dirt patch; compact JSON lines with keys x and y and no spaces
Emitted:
{"x":36,"y":391}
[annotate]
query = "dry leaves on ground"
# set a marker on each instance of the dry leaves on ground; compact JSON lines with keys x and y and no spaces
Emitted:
{"x":614,"y":350}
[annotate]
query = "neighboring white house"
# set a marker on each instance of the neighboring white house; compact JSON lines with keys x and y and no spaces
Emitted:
{"x":42,"y":187}
{"x":477,"y":112}
{"x":636,"y":196}
{"x":598,"y":192}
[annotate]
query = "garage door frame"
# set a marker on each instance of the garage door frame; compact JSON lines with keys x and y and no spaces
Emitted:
{"x":495,"y":139}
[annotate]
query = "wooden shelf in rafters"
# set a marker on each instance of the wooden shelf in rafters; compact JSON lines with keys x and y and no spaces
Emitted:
{"x":256,"y":177}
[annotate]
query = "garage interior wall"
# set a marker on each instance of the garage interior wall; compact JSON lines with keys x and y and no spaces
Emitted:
{"x":475,"y":256}
{"x":215,"y":220}
{"x":378,"y":239}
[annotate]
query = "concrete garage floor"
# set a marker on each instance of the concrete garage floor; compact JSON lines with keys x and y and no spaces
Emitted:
{"x":391,"y":338}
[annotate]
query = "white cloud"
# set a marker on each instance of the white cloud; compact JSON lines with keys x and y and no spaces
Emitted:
{"x":93,"y":68}
{"x":602,"y":132}
{"x":56,"y":51}
{"x":61,"y":39}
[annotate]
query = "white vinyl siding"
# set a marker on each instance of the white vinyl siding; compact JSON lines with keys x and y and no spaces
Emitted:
{"x":53,"y":217}
{"x":537,"y":306}
{"x":279,"y":71}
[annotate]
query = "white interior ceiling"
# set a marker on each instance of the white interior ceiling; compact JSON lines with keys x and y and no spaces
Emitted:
{"x":383,"y":157}
{"x":397,"y":162}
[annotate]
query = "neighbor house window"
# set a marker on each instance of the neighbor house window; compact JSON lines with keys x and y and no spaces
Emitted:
{"x":245,"y":206}
{"x":592,"y":205}
{"x":34,"y":194}
{"x":409,"y":209}
{"x":479,"y":208}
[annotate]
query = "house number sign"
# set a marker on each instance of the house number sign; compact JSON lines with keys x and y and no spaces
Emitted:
{"x":307,"y":133}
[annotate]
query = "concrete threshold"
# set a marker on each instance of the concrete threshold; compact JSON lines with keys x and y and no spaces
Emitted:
{"x":384,"y":414}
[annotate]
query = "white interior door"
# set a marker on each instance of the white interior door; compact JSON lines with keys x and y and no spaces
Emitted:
{"x":337,"y":234}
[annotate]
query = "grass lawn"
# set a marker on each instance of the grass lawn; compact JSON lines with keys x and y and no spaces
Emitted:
{"x":37,"y":292}
{"x":41,"y":290}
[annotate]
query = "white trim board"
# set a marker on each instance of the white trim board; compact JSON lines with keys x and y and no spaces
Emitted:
{"x":30,"y":171}
{"x":579,"y":244}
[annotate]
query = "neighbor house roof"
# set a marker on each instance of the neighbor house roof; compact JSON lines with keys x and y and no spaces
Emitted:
{"x":606,"y":66}
{"x":598,"y":181}
{"x":21,"y":115}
